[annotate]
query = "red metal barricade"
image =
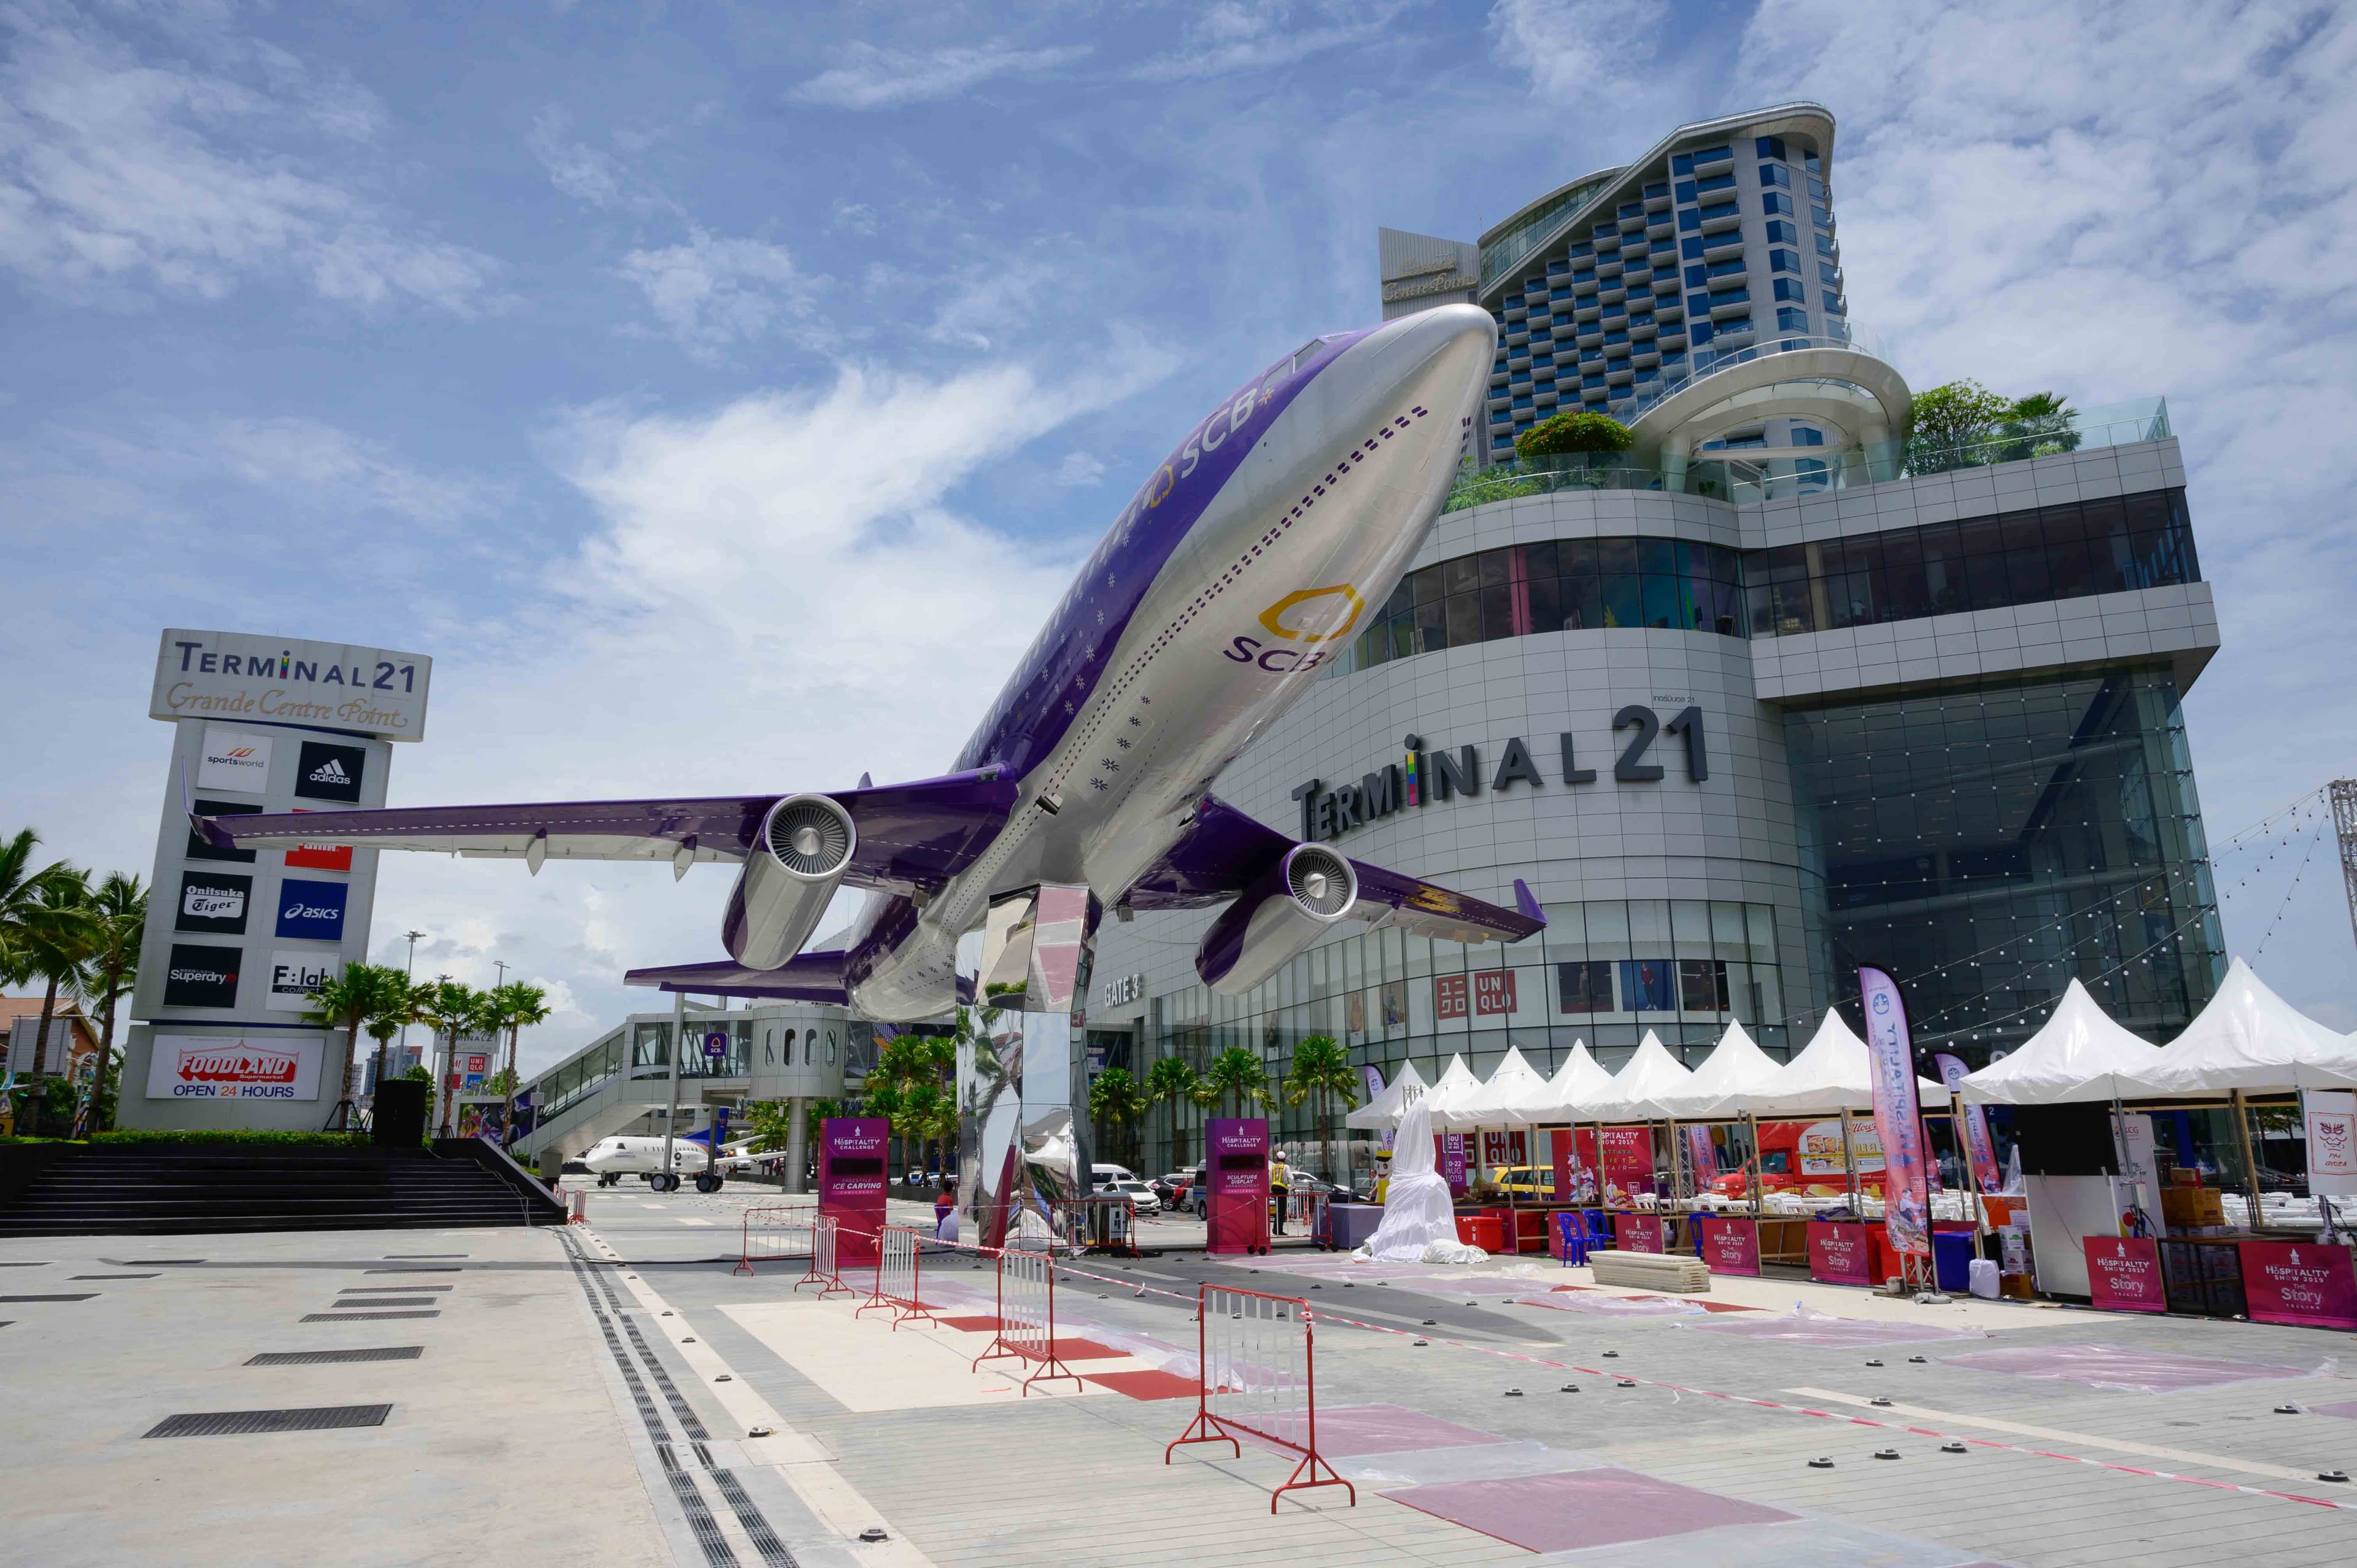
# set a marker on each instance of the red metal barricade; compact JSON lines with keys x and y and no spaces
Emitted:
{"x":1026,"y":1318}
{"x":823,"y":1271}
{"x":1305,"y":1215}
{"x":1256,"y":1367}
{"x":897,"y":1255}
{"x":778,"y":1230}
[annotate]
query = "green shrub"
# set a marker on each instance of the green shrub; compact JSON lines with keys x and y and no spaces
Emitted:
{"x":1581,"y":432}
{"x":135,"y":1137}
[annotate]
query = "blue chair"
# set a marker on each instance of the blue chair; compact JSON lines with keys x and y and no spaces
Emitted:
{"x":1571,"y":1238}
{"x":1599,"y":1231}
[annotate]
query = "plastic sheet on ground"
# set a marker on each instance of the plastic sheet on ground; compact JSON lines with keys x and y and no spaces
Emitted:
{"x":1594,"y":1304}
{"x":2112,"y":1367}
{"x":1419,"y":1223}
{"x":1804,"y":1325}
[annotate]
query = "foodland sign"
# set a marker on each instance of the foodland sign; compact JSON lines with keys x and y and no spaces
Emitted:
{"x":288,"y":681}
{"x":232,"y":1067}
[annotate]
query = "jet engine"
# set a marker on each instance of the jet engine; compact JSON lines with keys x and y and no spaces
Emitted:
{"x":790,"y":878}
{"x":1275,"y":918}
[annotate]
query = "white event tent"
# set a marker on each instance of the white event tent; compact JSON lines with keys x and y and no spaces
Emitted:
{"x":1638,"y":1088}
{"x":1504,"y":1102}
{"x":2247,"y":1039}
{"x":2078,"y":1053}
{"x":1831,"y":1073}
{"x":1724,"y":1087}
{"x":1382,"y":1113}
{"x":1581,"y":1081}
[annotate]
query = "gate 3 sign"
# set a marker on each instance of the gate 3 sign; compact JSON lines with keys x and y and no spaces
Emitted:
{"x":1421,"y":776}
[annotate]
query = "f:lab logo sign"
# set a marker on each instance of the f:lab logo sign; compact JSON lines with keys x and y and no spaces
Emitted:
{"x":311,"y":911}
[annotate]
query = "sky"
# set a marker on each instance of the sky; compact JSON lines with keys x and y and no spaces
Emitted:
{"x":721,"y":394}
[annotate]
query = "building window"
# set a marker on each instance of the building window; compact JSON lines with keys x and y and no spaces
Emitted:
{"x":1790,"y":319}
{"x":1645,"y":985}
{"x":1689,"y":220}
{"x":1825,"y":244}
{"x":1782,"y":233}
{"x":1834,"y":306}
{"x":1821,"y":218}
{"x":1584,"y":986}
{"x":1783,"y":261}
{"x":1776,"y":175}
{"x":1790,"y":288}
{"x":1829,"y":275}
{"x":1770,"y":147}
{"x":1701,"y":985}
{"x":1777,"y":201}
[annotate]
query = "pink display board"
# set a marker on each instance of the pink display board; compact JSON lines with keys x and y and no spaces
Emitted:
{"x":2124,"y":1273}
{"x":1574,"y":1166}
{"x":1451,"y":1157}
{"x":1840,"y":1254}
{"x":1637,"y":1232}
{"x":1730,"y":1245}
{"x":2299,"y":1282}
{"x":1237,"y":1206}
{"x":851,"y":1183}
{"x":1628,"y":1158}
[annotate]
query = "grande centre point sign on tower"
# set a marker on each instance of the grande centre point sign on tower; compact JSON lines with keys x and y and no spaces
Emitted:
{"x":237,"y":940}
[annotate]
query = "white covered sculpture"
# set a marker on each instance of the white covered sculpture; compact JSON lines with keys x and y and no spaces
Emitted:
{"x":1418,"y":1226}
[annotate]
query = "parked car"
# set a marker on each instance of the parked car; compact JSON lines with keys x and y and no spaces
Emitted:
{"x":1170,"y":1187}
{"x":1140,"y":1194}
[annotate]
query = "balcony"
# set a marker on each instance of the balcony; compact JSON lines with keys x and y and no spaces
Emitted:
{"x":1517,"y":339}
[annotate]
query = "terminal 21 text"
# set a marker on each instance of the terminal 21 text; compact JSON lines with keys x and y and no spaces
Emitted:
{"x":1421,"y":776}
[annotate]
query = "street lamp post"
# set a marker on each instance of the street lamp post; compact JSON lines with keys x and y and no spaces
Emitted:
{"x":409,"y":975}
{"x":678,"y":1045}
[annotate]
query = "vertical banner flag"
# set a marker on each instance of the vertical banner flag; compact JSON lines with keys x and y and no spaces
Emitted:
{"x":1702,"y":1160}
{"x":2331,"y":1117}
{"x":1897,"y":1116}
{"x":1978,"y":1147}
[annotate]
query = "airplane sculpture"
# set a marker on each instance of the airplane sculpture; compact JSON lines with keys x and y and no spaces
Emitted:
{"x":1231,"y":579}
{"x":611,"y":1159}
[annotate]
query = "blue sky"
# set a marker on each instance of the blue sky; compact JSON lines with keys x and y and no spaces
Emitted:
{"x":720,"y":395}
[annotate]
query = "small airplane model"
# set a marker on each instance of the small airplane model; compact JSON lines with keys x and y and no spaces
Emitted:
{"x":1227,"y":584}
{"x":611,"y":1159}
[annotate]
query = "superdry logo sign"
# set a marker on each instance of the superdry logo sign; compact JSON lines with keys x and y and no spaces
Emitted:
{"x":233,"y":1066}
{"x":1421,"y":776}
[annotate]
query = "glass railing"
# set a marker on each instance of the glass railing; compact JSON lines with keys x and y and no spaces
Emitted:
{"x":1743,"y":480}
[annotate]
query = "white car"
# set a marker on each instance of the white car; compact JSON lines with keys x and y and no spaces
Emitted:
{"x":1141,"y":1197}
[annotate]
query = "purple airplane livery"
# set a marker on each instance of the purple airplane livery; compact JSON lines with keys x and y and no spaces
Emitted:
{"x":1247,"y":562}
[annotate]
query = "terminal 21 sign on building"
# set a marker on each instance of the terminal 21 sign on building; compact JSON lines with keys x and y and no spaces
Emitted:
{"x":240,"y":939}
{"x":1422,"y":776}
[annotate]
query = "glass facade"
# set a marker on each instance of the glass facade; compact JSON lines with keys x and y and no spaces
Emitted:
{"x":1986,"y":845}
{"x":1604,"y":972}
{"x":2064,"y":551}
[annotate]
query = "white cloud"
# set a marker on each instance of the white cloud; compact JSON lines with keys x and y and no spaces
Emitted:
{"x":873,"y":78}
{"x":306,"y":455}
{"x":1234,"y":35}
{"x":990,"y":302}
{"x":1588,"y":52}
{"x":118,"y":175}
{"x":712,"y":292}
{"x":1078,"y":469}
{"x":575,"y":167}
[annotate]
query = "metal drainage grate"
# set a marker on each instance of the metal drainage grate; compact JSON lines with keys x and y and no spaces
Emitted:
{"x":388,"y":1300}
{"x":28,"y":1263}
{"x":395,"y":1290}
{"x":144,"y":1262}
{"x":326,"y":1358}
{"x":438,"y":1269}
{"x":114,"y":1276}
{"x":228,"y":1422}
{"x":429,"y":1254}
{"x":84,"y":1296}
{"x":363,"y":1316}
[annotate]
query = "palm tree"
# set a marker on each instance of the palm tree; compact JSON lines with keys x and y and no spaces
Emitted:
{"x":450,"y":1009}
{"x":943,"y":1129}
{"x":1321,"y":1069}
{"x":1167,"y":1083}
{"x":1115,"y":1102}
{"x":1237,"y":1077}
{"x":51,"y":931}
{"x":384,"y":1025}
{"x":883,"y":1099}
{"x":345,"y":1002}
{"x":517,"y":1007}
{"x":120,"y":908}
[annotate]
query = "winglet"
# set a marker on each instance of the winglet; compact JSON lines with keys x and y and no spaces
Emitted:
{"x":1527,"y":904}
{"x":205,"y":828}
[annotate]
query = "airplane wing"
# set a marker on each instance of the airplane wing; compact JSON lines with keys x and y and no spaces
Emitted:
{"x":1226,"y":851}
{"x":910,"y":835}
{"x":806,"y":977}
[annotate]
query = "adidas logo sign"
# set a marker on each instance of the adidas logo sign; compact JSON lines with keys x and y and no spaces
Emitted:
{"x":330,"y":772}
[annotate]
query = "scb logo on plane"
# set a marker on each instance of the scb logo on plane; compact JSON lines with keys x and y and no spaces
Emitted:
{"x":1335,"y":611}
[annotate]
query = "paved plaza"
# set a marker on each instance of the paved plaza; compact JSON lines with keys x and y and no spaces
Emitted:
{"x":614,"y":1393}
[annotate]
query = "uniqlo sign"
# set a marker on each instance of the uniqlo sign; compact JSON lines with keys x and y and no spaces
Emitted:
{"x":1448,"y":996}
{"x":1493,"y":990}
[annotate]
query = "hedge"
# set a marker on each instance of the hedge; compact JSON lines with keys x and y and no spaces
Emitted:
{"x":134,"y":1136}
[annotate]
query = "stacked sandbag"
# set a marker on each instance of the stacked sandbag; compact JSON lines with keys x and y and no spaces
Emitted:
{"x":1678,"y":1272}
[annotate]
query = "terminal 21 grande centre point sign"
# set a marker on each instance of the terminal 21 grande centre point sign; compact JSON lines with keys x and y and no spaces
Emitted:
{"x":238,"y":939}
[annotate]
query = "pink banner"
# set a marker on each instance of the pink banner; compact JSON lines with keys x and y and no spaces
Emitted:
{"x":1840,"y":1254}
{"x":2124,"y":1273}
{"x":1729,"y":1245}
{"x":851,"y":1183}
{"x":1897,"y":1115}
{"x":1978,"y":1146}
{"x":2300,"y":1282}
{"x":1637,"y":1232}
{"x":1702,"y":1159}
{"x":1628,"y":1163}
{"x":1574,"y":1166}
{"x":1452,"y":1159}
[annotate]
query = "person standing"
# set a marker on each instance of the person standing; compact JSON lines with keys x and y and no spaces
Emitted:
{"x":1280,"y":1183}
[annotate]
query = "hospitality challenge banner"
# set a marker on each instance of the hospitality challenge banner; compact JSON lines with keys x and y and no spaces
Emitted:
{"x":1978,"y":1146}
{"x":1897,"y":1116}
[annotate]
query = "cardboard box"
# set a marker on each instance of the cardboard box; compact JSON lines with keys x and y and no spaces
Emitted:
{"x":2192,"y":1207}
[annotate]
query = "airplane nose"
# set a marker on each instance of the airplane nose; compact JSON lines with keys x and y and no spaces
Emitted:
{"x":1445,"y":351}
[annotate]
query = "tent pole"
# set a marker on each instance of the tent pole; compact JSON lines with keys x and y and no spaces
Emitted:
{"x":1758,"y":1174}
{"x":1849,"y":1165}
{"x":2250,"y":1164}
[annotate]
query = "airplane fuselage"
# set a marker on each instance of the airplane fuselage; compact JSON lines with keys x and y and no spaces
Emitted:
{"x":1244,"y":568}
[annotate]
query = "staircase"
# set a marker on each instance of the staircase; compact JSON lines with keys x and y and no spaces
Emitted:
{"x":197,"y":1191}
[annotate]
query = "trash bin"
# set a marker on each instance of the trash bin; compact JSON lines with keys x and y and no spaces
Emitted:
{"x":1952,"y":1260}
{"x":399,"y":1119}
